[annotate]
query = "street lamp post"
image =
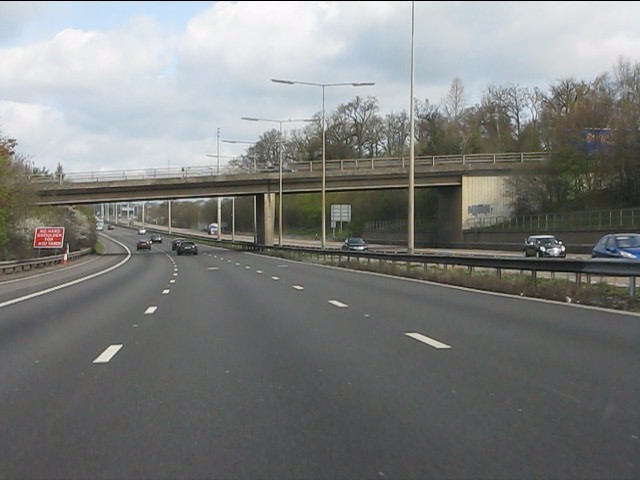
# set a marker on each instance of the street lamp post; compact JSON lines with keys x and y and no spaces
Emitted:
{"x":323,"y":85}
{"x":411,"y":206}
{"x":219,"y":203}
{"x":218,"y":153}
{"x":252,"y":119}
{"x":233,"y":205}
{"x":248,"y":156}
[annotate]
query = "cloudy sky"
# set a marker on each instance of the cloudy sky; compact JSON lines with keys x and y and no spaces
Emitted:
{"x":123,"y":85}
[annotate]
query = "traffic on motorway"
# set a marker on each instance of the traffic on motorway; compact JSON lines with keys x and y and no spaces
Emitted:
{"x":234,"y":365}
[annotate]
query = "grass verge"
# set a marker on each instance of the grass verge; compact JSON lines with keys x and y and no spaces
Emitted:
{"x":600,"y":294}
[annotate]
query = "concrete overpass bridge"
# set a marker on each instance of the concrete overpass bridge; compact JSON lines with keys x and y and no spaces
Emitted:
{"x":467,"y":185}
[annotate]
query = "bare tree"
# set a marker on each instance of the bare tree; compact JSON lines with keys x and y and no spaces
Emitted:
{"x":456,"y":100}
{"x":395,"y":133}
{"x":565,"y":95}
{"x":429,"y":128}
{"x":356,"y":125}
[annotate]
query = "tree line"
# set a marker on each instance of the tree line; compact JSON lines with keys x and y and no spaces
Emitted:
{"x":591,"y":128}
{"x":20,"y":216}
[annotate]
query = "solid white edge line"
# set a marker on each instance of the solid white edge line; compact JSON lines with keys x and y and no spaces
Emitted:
{"x":429,"y":341}
{"x":571,"y":305}
{"x":30,"y":277}
{"x":108,"y":354}
{"x":69,"y":284}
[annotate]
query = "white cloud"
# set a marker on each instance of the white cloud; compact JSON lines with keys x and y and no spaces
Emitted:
{"x":139,"y":91}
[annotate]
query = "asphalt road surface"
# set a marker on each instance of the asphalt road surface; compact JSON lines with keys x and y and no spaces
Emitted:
{"x":230,"y":365}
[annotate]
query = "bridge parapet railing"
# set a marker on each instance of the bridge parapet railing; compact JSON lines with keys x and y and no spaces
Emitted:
{"x":309,"y":166}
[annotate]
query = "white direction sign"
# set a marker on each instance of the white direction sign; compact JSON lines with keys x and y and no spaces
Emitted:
{"x":340,"y":213}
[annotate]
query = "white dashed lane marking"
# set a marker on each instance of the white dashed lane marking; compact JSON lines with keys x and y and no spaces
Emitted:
{"x":298,"y":287}
{"x":338,"y":304}
{"x":108,"y":354}
{"x":429,"y":341}
{"x":151,"y":310}
{"x":165,"y":291}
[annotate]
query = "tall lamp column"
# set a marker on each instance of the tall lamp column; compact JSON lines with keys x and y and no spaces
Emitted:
{"x":324,"y":187}
{"x":280,"y":142}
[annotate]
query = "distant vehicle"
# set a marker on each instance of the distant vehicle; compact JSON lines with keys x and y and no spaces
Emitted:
{"x":175,"y":242}
{"x":143,"y":244}
{"x":111,"y":226}
{"x":543,"y":246}
{"x":99,"y":225}
{"x":212,"y":229}
{"x":187,"y":247}
{"x":142,"y":231}
{"x":156,"y":238}
{"x":356,"y":244}
{"x":618,"y":245}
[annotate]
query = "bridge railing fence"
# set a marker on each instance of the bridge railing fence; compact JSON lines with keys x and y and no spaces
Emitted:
{"x":308,"y":166}
{"x":628,"y":218}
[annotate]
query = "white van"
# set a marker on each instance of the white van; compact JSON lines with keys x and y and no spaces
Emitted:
{"x":212,"y":229}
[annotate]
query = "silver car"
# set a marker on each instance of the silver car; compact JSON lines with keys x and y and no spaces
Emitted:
{"x":355,"y":244}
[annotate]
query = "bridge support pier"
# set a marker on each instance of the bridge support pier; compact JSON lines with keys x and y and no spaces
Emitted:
{"x":466,"y":205}
{"x":265,"y":218}
{"x":449,"y":216}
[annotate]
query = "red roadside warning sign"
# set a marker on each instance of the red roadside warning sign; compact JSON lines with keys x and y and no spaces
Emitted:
{"x":48,"y":237}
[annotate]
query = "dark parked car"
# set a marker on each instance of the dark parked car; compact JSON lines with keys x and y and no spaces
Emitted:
{"x":618,"y":245}
{"x":175,"y":242}
{"x":143,"y":244}
{"x":187,"y":247}
{"x":156,"y":238}
{"x":544,"y":246}
{"x":111,"y":226}
{"x":355,"y":244}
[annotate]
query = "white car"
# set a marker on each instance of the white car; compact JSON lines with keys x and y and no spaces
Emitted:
{"x":142,"y":231}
